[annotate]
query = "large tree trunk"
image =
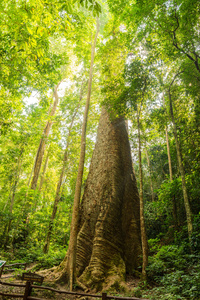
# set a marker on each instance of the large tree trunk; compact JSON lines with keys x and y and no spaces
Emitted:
{"x":108,"y":244}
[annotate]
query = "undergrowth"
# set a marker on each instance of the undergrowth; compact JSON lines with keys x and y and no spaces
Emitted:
{"x":35,"y":255}
{"x":174,"y":270}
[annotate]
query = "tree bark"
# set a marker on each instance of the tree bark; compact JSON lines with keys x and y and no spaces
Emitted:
{"x":150,"y":173}
{"x":60,"y":182}
{"x":42,"y":145}
{"x":109,"y":244}
{"x":171,"y":179}
{"x":182,"y":171}
{"x":29,"y":182}
{"x":142,"y":222}
{"x":69,"y":273}
{"x":170,"y":172}
{"x":168,"y":155}
{"x":44,"y":171}
{"x":14,"y":187}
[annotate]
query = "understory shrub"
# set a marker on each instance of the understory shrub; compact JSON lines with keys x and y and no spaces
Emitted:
{"x":176,"y":271}
{"x":36,"y":255}
{"x":185,"y":284}
{"x":52,"y":259}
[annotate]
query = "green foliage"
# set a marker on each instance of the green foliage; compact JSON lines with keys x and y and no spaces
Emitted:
{"x":154,"y":245}
{"x":182,"y":239}
{"x":137,"y":292}
{"x":53,"y":258}
{"x":158,"y":216}
{"x":35,"y":255}
{"x":141,"y":47}
{"x":168,"y":189}
{"x":195,"y":240}
{"x":186,"y":285}
{"x":177,"y":272}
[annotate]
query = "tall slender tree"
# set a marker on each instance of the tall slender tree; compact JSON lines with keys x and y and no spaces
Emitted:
{"x":180,"y":163}
{"x":44,"y":170}
{"x":170,"y":170}
{"x":60,"y":181}
{"x":150,"y":173}
{"x":43,"y":141}
{"x":142,"y":221}
{"x":69,"y":271}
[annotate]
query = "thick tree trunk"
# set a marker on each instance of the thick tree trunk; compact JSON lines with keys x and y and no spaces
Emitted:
{"x":182,"y":171}
{"x":108,"y":244}
{"x":59,"y":184}
{"x":69,"y":273}
{"x":42,"y":145}
{"x":142,"y":222}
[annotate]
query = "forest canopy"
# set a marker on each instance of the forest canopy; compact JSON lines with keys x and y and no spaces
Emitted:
{"x":63,"y":64}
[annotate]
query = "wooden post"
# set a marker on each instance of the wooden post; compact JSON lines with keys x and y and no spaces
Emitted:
{"x":28,"y":289}
{"x":104,"y":296}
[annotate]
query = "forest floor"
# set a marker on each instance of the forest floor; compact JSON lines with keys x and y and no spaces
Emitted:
{"x":131,"y":283}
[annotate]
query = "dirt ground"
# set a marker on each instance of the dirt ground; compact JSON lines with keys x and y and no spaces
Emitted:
{"x":43,"y":294}
{"x":46,"y":294}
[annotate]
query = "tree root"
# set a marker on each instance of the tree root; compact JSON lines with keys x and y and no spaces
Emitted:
{"x":82,"y":286}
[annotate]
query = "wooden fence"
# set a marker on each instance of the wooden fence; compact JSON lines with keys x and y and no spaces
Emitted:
{"x":29,"y":286}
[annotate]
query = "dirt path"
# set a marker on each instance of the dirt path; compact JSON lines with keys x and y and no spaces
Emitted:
{"x":46,"y":294}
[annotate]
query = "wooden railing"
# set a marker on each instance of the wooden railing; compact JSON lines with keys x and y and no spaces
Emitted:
{"x":28,"y":288}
